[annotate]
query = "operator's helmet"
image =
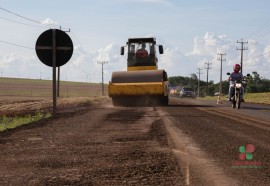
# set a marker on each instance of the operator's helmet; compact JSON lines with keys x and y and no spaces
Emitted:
{"x":236,"y":68}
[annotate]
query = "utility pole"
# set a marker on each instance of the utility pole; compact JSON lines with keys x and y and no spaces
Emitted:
{"x":221,"y":60}
{"x":87,"y":78}
{"x":242,"y":49}
{"x":102,"y":62}
{"x":207,"y":68}
{"x":199,"y":69}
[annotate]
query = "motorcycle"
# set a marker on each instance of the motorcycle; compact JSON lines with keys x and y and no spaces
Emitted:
{"x":237,"y":91}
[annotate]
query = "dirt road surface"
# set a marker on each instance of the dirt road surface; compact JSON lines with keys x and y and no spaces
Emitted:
{"x":182,"y":144}
{"x":97,"y":145}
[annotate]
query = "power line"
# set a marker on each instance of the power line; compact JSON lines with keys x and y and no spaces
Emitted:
{"x":15,"y":44}
{"x":76,"y":38}
{"x":22,"y":23}
{"x":32,"y":20}
{"x":42,"y":26}
{"x":29,"y":19}
{"x":262,"y":35}
{"x":259,"y":29}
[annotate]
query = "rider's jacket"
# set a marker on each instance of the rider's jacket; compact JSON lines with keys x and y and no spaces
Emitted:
{"x":235,"y":76}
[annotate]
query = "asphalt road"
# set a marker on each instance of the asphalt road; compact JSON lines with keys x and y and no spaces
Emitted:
{"x":260,"y":112}
{"x":208,"y":137}
{"x":190,"y":142}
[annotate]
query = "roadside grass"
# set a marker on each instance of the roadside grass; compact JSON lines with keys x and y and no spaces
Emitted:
{"x":258,"y":97}
{"x":263,"y":98}
{"x":13,"y":122}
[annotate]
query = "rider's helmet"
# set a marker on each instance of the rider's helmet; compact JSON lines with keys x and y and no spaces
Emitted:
{"x":236,"y":68}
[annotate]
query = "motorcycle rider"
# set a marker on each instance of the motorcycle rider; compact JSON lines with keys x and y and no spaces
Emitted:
{"x":234,"y":76}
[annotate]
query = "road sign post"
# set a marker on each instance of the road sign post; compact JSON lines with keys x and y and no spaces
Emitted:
{"x":58,"y":82}
{"x":54,"y":48}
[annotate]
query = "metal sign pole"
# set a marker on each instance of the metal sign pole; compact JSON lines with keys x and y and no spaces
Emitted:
{"x":54,"y":70}
{"x":58,"y":82}
{"x":47,"y":51}
{"x":102,"y":80}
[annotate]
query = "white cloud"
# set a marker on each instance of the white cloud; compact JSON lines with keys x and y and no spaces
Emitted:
{"x":266,"y":53}
{"x":49,"y":22}
{"x":174,"y":62}
{"x":254,"y":55}
{"x":210,"y":44}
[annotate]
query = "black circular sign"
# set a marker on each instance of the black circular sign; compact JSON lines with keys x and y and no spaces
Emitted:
{"x":44,"y":47}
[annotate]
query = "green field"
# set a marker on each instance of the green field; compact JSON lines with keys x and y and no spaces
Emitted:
{"x":43,"y":88}
{"x":263,"y":98}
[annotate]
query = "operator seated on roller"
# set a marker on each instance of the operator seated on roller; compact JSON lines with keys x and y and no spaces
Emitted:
{"x":142,"y":52}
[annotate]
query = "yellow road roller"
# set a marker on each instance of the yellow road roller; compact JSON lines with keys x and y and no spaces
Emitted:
{"x":143,"y":84}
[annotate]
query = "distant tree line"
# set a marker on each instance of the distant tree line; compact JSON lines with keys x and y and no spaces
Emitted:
{"x":257,"y":84}
{"x":254,"y":84}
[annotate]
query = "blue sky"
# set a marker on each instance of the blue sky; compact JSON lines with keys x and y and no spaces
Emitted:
{"x":192,"y":32}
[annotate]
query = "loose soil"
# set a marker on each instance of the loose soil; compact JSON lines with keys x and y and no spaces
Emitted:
{"x":90,"y":144}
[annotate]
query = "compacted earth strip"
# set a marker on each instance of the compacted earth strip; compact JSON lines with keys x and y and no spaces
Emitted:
{"x":98,"y":145}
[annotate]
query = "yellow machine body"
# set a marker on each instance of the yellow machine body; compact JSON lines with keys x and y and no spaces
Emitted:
{"x":142,"y":78}
{"x":138,"y":83}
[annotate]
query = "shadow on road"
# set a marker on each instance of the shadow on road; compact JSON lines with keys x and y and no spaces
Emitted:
{"x":186,"y":105}
{"x":256,"y":108}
